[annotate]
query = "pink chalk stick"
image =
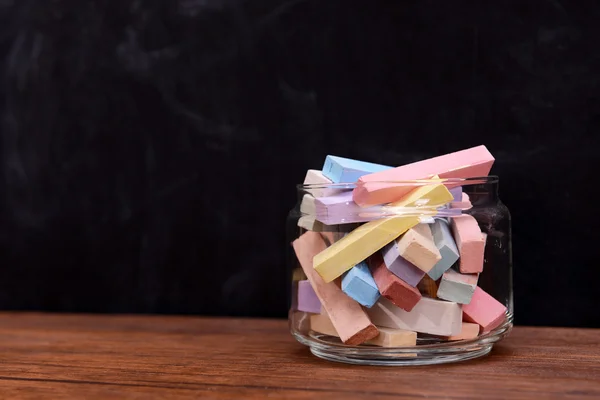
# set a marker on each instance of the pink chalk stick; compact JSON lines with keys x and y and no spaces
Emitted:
{"x":371,"y":189}
{"x":484,"y":310}
{"x":349,"y":319}
{"x":390,"y":286}
{"x":307,"y":298}
{"x":470,"y":243}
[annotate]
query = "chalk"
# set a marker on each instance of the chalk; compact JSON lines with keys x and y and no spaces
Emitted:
{"x":387,"y":337}
{"x":316,"y":177}
{"x":321,"y":323}
{"x":426,"y":195}
{"x":348,"y":317}
{"x":394,"y":338}
{"x":400,"y":267}
{"x":375,"y":188}
{"x":345,"y":170}
{"x":340,"y":209}
{"x":360,"y":285}
{"x":456,"y":193}
{"x":307,"y":298}
{"x":390,"y":286}
{"x":464,"y":203}
{"x":444,"y":242}
{"x":484,"y":310}
{"x":431,"y":316}
{"x":468,"y":331}
{"x":360,"y":244}
{"x":457,"y":287}
{"x":470,"y":243}
{"x":417,"y":247}
{"x":428,"y":287}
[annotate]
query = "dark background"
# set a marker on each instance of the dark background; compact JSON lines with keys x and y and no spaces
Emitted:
{"x":149,"y":150}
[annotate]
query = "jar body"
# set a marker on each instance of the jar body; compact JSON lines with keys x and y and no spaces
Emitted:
{"x":422,"y":280}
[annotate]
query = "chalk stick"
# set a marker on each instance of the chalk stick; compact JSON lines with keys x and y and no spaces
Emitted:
{"x":400,"y":267}
{"x":340,"y":209}
{"x":431,"y":316}
{"x":444,"y":242}
{"x":307,"y":298}
{"x":457,"y":287}
{"x":371,"y":189}
{"x":316,"y":177}
{"x":470,"y":243}
{"x":321,"y":323}
{"x":390,"y":286}
{"x":456,"y":193}
{"x":394,"y":338}
{"x":468,"y":331}
{"x":417,"y":247}
{"x":484,"y":310}
{"x":387,"y":337}
{"x":346,"y":170}
{"x":428,"y":287}
{"x":348,"y":317}
{"x":427,"y":195}
{"x":360,"y":244}
{"x":464,"y":203}
{"x":360,"y":285}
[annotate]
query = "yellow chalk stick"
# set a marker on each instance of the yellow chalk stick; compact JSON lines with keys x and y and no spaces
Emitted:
{"x":360,"y":244}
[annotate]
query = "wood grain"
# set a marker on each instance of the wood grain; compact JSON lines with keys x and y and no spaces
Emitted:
{"x":145,"y":357}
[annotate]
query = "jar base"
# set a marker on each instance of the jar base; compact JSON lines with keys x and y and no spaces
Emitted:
{"x":331,"y":349}
{"x":403,"y":359}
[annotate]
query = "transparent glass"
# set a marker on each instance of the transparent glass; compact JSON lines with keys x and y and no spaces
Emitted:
{"x":480,"y":200}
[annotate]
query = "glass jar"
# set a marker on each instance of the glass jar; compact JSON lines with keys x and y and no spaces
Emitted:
{"x":403,"y":283}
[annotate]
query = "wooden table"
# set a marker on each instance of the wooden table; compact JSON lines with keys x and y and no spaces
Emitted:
{"x":144,"y":357}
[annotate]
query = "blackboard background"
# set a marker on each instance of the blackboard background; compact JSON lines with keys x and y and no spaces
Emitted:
{"x":149,"y":150}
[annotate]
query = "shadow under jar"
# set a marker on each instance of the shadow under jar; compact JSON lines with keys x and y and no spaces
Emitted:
{"x":426,"y":279}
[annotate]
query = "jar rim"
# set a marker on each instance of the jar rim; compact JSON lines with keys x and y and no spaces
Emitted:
{"x":490,"y":179}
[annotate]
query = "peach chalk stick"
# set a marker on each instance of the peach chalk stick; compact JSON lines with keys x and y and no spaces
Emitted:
{"x":484,"y":310}
{"x":315,"y":177}
{"x":374,"y":188}
{"x":417,"y":247}
{"x":431,"y":316}
{"x":468,"y":331}
{"x":351,"y":322}
{"x":360,"y":244}
{"x":390,"y":286}
{"x":457,"y":287}
{"x":387,"y":337}
{"x":470,"y":243}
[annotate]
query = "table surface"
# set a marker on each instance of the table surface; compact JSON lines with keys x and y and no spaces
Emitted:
{"x":102,"y":356}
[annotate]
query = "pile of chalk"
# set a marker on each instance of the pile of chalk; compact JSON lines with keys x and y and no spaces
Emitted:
{"x":381,"y":281}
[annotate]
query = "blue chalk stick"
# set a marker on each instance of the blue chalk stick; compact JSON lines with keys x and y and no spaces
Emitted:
{"x":358,"y":283}
{"x":345,"y":170}
{"x":445,"y":244}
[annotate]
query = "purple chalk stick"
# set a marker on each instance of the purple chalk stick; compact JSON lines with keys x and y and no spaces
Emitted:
{"x":456,"y":193}
{"x":340,"y":209}
{"x":307,"y":298}
{"x":400,"y":267}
